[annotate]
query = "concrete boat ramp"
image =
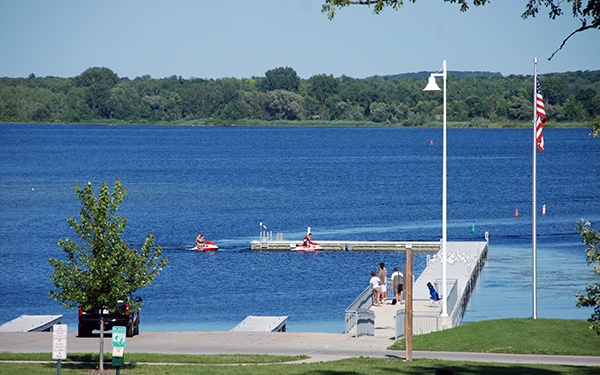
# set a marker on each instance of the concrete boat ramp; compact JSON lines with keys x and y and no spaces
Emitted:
{"x":31,"y":323}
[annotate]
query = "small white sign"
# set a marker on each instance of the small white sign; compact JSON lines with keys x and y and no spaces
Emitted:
{"x":118,"y":351}
{"x":59,"y":341}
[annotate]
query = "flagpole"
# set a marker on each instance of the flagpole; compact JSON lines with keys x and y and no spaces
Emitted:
{"x":534,"y":209}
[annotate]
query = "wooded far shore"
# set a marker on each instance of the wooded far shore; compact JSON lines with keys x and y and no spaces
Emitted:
{"x":320,"y":124}
{"x":281,"y":98}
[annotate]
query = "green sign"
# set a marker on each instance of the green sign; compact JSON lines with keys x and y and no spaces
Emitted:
{"x":118,"y":336}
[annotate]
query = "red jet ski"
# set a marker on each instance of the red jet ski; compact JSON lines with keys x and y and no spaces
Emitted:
{"x":309,"y":247}
{"x":206,"y":246}
{"x":307,"y":244}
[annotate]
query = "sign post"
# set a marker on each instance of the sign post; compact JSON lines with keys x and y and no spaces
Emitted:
{"x":59,"y":345}
{"x":408,"y":305}
{"x":118,"y":342}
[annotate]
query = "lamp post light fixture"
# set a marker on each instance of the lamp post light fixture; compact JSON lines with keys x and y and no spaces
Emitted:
{"x":432,"y":86}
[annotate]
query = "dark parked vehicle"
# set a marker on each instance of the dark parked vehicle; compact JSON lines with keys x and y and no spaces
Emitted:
{"x":90,"y":320}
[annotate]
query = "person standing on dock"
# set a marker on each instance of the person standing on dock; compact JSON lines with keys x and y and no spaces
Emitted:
{"x":383,"y":280}
{"x":397,"y":284}
{"x":375,"y":284}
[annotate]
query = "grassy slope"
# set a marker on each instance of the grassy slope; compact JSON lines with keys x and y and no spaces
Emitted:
{"x":520,"y":336}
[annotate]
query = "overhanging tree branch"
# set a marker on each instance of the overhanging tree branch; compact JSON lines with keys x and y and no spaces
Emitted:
{"x":582,"y":28}
{"x":590,"y":10}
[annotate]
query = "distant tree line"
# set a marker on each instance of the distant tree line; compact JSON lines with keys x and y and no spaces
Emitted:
{"x":473,"y":98}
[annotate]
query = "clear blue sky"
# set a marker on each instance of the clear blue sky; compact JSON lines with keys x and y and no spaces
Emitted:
{"x":244,"y":38}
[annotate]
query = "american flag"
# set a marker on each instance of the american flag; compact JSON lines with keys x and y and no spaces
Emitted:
{"x":540,"y":116}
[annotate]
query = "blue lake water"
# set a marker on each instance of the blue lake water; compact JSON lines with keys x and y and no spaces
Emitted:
{"x":345,"y":183}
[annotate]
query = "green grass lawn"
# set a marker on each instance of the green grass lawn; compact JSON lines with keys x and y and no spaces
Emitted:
{"x":355,"y":366}
{"x":521,"y":336}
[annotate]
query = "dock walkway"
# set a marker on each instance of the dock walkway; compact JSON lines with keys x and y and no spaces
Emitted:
{"x":464,"y":261}
{"x":346,"y":245}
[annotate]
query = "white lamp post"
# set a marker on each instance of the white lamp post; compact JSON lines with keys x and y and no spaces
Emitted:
{"x":432,"y":86}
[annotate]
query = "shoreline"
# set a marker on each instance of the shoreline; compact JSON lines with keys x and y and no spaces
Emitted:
{"x":323,"y":124}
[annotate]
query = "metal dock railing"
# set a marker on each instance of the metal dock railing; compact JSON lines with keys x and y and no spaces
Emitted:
{"x":464,"y":262}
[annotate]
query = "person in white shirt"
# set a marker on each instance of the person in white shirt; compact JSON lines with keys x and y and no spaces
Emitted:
{"x":375,"y":284}
{"x":397,"y":284}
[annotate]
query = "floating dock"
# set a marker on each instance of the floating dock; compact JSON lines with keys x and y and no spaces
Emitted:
{"x":31,"y":323}
{"x":343,"y":245}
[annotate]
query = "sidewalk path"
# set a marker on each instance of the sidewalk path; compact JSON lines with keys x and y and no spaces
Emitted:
{"x":319,"y":346}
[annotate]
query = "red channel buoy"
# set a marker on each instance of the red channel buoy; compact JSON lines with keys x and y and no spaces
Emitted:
{"x":517,"y":213}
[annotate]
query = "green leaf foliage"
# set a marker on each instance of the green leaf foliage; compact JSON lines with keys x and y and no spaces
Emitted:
{"x":475,"y":98}
{"x":586,"y":11}
{"x":99,"y":267}
{"x":591,"y":298}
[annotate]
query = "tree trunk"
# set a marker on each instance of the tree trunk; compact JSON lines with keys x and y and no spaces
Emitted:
{"x":101,"y":355}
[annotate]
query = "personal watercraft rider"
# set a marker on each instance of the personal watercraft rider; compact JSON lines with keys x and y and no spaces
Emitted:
{"x":307,"y":240}
{"x":200,"y":241}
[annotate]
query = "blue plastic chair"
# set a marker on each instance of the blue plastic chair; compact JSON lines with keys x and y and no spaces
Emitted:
{"x":433,"y":295}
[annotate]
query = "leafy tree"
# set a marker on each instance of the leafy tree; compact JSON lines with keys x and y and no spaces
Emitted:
{"x":414,"y":119}
{"x":161,"y":108}
{"x":322,"y":91}
{"x":196,"y":98}
{"x":101,"y":268}
{"x":574,"y":110}
{"x":226,"y":98}
{"x":596,"y":127}
{"x":519,"y":109}
{"x":281,"y":79}
{"x":346,"y":111}
{"x":285,"y":105}
{"x":556,"y":90}
{"x":97,"y":83}
{"x":585,"y":97}
{"x":76,"y":109}
{"x":97,"y":76}
{"x":121,"y":104}
{"x":41,"y":113}
{"x":255,"y":102}
{"x":594,"y":107}
{"x":474,"y":103}
{"x":588,"y":12}
{"x":381,"y":112}
{"x":591,"y":238}
{"x":458,"y":110}
{"x":155,"y":107}
{"x":322,"y":86}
